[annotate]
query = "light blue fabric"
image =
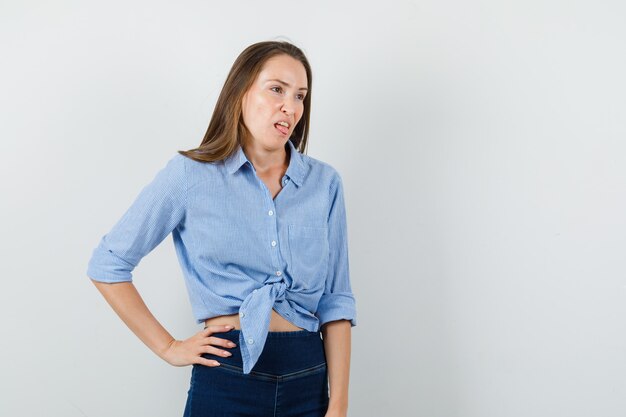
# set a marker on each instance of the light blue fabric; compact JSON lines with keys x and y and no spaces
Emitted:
{"x":240,"y":250}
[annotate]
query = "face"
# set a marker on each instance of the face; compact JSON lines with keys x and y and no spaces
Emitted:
{"x":276,"y":95}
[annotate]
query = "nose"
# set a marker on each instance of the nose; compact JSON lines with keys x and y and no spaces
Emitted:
{"x":289,"y":107}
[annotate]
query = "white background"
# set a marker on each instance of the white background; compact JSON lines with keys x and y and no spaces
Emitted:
{"x":482,"y":147}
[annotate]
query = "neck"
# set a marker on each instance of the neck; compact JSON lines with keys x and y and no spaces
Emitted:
{"x":265,"y":160}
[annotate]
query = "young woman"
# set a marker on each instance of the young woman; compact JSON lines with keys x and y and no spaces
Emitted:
{"x":260,"y":233}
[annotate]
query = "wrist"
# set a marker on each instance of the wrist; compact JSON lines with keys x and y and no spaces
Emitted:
{"x":338,"y":406}
{"x":163,"y":352}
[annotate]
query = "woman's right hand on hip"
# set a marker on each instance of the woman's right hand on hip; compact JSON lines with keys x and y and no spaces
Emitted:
{"x":189,"y":351}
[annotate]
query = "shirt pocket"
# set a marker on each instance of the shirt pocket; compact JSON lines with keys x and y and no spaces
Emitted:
{"x":308,"y":249}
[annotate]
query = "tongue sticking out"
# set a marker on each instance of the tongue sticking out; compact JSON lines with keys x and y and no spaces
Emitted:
{"x":281,"y":128}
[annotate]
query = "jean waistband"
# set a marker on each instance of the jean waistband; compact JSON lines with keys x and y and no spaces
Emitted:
{"x":283,"y":352}
{"x":295,"y":333}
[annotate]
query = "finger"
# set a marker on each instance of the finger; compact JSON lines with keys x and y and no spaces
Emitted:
{"x":207,"y":362}
{"x":215,"y":351}
{"x":217,"y":328}
{"x":219,"y":341}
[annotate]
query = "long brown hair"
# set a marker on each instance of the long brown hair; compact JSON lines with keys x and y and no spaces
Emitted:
{"x":226,"y":128}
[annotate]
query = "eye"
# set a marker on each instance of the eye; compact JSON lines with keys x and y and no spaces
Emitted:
{"x":278,"y":89}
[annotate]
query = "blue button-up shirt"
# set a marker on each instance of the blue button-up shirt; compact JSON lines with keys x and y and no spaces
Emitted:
{"x":240,"y":250}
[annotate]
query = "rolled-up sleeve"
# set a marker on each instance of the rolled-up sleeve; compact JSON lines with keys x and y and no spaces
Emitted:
{"x":337,"y":301}
{"x":158,"y":208}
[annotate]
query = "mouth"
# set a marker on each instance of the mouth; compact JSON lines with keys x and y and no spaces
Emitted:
{"x":282,"y":129}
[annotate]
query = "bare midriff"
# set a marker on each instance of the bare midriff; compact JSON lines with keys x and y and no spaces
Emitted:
{"x":277,"y":322}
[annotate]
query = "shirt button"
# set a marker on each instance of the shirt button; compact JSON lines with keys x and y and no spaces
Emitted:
{"x":270,"y":212}
{"x":251,"y":341}
{"x":273,"y":243}
{"x":285,"y":181}
{"x":279,"y":273}
{"x":242,"y":314}
{"x":254,"y":290}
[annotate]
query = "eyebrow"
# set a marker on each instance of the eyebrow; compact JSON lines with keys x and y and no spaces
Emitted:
{"x":287,"y":84}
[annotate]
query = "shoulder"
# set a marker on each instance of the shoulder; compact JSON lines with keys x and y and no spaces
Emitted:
{"x":322,"y":172}
{"x":191,"y":164}
{"x":191,"y":169}
{"x":176,"y":161}
{"x":199,"y":174}
{"x":174,"y":169}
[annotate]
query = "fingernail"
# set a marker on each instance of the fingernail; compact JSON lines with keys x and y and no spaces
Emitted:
{"x":229,"y":327}
{"x":231,"y":344}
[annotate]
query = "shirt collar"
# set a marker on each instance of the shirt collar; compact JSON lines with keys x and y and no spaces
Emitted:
{"x":295,"y":171}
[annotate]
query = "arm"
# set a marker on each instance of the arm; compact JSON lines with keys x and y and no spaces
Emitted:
{"x":156,"y":211}
{"x":337,"y":308}
{"x":129,"y":306}
{"x":337,"y":345}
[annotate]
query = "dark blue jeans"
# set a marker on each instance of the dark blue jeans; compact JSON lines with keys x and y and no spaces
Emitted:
{"x":288,"y":380}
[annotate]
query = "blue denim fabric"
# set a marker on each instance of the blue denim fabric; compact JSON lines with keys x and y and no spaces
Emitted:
{"x":240,"y":250}
{"x":290,"y":379}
